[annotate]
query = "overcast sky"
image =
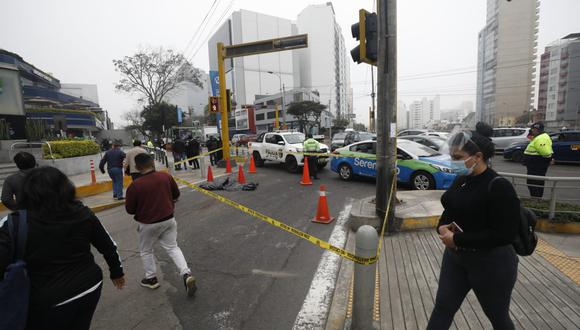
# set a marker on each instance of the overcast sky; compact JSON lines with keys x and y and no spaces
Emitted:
{"x":76,"y":40}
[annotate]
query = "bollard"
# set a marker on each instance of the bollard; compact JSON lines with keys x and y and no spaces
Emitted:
{"x":93,"y":176}
{"x":202,"y":166}
{"x":367,"y":240}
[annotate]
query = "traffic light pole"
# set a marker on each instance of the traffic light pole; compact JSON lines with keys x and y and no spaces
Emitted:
{"x":223,"y":102}
{"x":387,"y":111}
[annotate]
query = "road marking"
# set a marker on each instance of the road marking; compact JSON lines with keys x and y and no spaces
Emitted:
{"x":316,"y":306}
{"x":273,"y":274}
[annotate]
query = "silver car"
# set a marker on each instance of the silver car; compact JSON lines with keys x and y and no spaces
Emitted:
{"x":503,"y":137}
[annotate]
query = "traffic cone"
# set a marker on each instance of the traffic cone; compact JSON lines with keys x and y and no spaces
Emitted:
{"x":322,"y":213}
{"x":209,"y":174}
{"x":228,"y":166}
{"x":241,"y":177}
{"x":252,"y":165}
{"x":305,"y":174}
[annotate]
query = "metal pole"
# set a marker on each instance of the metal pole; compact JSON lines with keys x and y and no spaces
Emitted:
{"x":367,"y":241}
{"x":223,"y":102}
{"x":552,"y":213}
{"x":373,"y":99}
{"x":283,"y":103}
{"x":386,"y":108}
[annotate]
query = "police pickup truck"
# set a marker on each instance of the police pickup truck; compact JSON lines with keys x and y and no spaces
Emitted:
{"x":283,"y":147}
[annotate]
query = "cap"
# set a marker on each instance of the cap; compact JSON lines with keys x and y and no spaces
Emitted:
{"x":538,"y":125}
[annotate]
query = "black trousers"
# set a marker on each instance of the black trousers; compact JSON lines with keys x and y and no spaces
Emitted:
{"x":313,"y":166}
{"x":76,"y":315}
{"x":537,"y":166}
{"x":491,"y":274}
{"x":194,"y":163}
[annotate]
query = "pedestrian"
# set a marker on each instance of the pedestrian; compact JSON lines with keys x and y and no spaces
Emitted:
{"x":114,"y":159}
{"x":537,"y":158}
{"x":65,"y":280}
{"x":129,"y":164}
{"x":312,"y":146}
{"x":478,"y":226}
{"x":192,"y":150}
{"x":12,"y":187}
{"x":211,"y":146}
{"x":150,"y":144}
{"x":179,"y":154}
{"x":105,"y":145}
{"x":152,"y":200}
{"x":220,"y":153}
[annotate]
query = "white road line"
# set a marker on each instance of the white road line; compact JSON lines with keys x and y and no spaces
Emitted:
{"x":316,"y":306}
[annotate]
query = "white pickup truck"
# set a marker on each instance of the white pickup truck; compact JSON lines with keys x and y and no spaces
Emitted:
{"x":281,"y":147}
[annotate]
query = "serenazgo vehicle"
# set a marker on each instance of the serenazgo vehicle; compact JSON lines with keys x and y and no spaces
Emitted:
{"x":420,"y":166}
{"x":566,"y":146}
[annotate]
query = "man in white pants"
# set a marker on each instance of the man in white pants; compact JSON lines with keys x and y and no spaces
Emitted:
{"x":152,"y":200}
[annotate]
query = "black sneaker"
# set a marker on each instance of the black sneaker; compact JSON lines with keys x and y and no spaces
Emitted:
{"x":150,"y":283}
{"x":189,"y":282}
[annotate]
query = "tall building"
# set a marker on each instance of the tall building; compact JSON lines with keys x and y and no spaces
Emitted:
{"x":424,"y":113}
{"x":506,"y":61}
{"x":190,"y":98}
{"x":559,"y":91}
{"x":402,"y":116}
{"x":325,"y":65}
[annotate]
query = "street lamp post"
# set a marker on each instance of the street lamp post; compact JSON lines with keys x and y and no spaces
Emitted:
{"x":283,"y":96}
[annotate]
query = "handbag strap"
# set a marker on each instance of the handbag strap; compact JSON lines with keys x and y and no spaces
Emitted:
{"x":18,"y":234}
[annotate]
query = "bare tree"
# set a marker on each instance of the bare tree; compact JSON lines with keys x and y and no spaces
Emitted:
{"x":154,"y":73}
{"x":135,"y":121}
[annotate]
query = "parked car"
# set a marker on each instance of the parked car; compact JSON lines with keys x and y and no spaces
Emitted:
{"x":412,"y":132}
{"x":503,"y":137}
{"x":337,"y":141}
{"x":444,"y":135}
{"x":421,"y":167}
{"x":433,"y":142}
{"x":566,"y":147}
{"x":355,"y":136}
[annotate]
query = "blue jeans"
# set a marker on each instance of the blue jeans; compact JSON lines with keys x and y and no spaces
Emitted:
{"x":116,"y":174}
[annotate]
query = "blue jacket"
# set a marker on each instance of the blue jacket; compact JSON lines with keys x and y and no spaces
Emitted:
{"x":114,"y":158}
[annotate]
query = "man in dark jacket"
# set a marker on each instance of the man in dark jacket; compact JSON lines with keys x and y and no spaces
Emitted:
{"x":114,"y":159}
{"x":152,"y":200}
{"x":178,"y":149}
{"x":212,"y":145}
{"x":192,"y":150}
{"x":12,"y":187}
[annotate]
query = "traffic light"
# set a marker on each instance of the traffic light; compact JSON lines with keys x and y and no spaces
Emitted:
{"x":366,"y":32}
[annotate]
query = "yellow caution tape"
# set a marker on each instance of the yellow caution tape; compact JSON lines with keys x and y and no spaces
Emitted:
{"x":312,"y":239}
{"x":199,"y":156}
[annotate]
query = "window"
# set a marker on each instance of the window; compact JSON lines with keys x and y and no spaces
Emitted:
{"x":272,"y":115}
{"x":364,"y":148}
{"x":273,"y":138}
{"x":260,"y":116}
{"x":260,"y":137}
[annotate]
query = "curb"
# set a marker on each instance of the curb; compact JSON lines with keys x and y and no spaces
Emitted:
{"x":545,"y":226}
{"x":103,"y":207}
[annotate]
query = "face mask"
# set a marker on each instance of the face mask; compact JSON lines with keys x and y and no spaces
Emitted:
{"x":458,"y":167}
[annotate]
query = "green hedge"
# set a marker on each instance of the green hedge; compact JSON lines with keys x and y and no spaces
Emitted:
{"x":68,"y":149}
{"x":565,"y":212}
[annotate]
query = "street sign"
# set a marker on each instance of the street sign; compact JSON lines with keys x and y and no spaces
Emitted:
{"x":267,"y":46}
{"x":214,"y":104}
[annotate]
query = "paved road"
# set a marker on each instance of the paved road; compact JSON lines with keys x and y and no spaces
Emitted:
{"x":250,"y":274}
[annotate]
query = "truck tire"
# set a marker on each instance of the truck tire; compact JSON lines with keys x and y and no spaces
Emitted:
{"x":291,"y":164}
{"x":258,"y":159}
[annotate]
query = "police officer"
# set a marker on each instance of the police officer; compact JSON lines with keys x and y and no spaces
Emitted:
{"x":311,"y":145}
{"x":538,"y":157}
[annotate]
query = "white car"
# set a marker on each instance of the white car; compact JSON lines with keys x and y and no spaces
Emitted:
{"x":444,"y":135}
{"x":503,"y":137}
{"x":283,"y":147}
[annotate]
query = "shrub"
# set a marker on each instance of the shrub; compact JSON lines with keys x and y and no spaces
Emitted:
{"x":68,"y":149}
{"x":565,"y":212}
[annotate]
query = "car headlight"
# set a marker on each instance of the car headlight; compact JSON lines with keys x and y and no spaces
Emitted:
{"x":442,"y":168}
{"x":299,"y":150}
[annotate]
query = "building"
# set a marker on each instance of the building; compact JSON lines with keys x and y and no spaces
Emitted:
{"x":402,"y":116}
{"x":424,"y":113}
{"x":190,"y":98}
{"x":325,"y":64}
{"x":559,"y":90}
{"x":506,"y":61}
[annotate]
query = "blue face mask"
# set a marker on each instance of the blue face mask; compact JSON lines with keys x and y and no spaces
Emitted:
{"x":458,"y":167}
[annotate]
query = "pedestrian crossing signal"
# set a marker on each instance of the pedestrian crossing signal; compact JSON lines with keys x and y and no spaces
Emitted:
{"x":214,"y":104}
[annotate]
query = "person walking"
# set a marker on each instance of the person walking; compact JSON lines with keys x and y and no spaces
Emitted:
{"x":150,"y":144}
{"x":129,"y":164}
{"x":211,"y":146}
{"x":537,"y":158}
{"x":151,"y":199}
{"x":12,"y":187}
{"x":478,"y":226}
{"x":312,"y":146}
{"x":178,"y":148}
{"x":114,"y":160}
{"x":192,"y":150}
{"x":65,"y":280}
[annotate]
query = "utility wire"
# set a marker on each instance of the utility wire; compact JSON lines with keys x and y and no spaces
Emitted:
{"x":196,"y":33}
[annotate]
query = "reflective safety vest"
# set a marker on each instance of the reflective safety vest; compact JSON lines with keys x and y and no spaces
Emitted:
{"x":150,"y":144}
{"x":541,"y":145}
{"x":311,"y":145}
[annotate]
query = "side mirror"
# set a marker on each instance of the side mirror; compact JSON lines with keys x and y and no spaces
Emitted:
{"x":281,"y":143}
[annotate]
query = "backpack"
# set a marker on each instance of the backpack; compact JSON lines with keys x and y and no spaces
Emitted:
{"x":15,"y":287}
{"x":526,"y":238}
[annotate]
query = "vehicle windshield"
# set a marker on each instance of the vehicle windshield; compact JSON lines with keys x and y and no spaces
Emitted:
{"x":339,"y":136}
{"x":366,"y":136}
{"x":294,"y":138}
{"x":417,"y":149}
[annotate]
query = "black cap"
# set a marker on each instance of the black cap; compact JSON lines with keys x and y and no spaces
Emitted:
{"x":538,"y":126}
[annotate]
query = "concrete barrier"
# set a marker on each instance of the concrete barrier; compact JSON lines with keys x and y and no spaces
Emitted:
{"x":72,"y":166}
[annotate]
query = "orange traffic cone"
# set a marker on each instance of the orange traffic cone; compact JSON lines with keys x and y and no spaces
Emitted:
{"x":241,"y":177}
{"x":322,"y":213}
{"x":252,"y":165}
{"x":228,"y":166}
{"x":209,"y":174}
{"x":305,"y":174}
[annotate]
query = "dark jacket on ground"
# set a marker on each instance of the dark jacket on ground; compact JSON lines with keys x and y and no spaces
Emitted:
{"x":151,"y":198}
{"x":113,"y":158}
{"x":58,"y":254}
{"x":488,"y":219}
{"x":12,"y":189}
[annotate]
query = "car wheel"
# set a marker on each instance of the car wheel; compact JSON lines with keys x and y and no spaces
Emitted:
{"x":422,"y":181}
{"x":291,"y":164}
{"x":258,"y":159}
{"x":517,"y":156}
{"x":345,"y":172}
{"x":320,"y":166}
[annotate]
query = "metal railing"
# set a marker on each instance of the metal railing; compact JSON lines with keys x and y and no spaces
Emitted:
{"x":556,"y":186}
{"x":31,"y":144}
{"x":160,"y":154}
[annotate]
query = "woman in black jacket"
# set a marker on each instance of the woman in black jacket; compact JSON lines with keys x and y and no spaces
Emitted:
{"x":65,"y":280}
{"x":478,"y":226}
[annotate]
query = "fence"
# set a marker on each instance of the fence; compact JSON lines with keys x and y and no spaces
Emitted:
{"x":561,"y":192}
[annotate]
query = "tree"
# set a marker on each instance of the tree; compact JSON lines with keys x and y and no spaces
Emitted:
{"x":133,"y":117}
{"x":359,"y":127}
{"x":340,"y":123}
{"x":158,"y":115}
{"x":154,"y":73}
{"x":307,"y":113}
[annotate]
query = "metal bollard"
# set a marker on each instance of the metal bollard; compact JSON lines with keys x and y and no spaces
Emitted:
{"x":367,"y":240}
{"x":552,"y":211}
{"x":202,"y":166}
